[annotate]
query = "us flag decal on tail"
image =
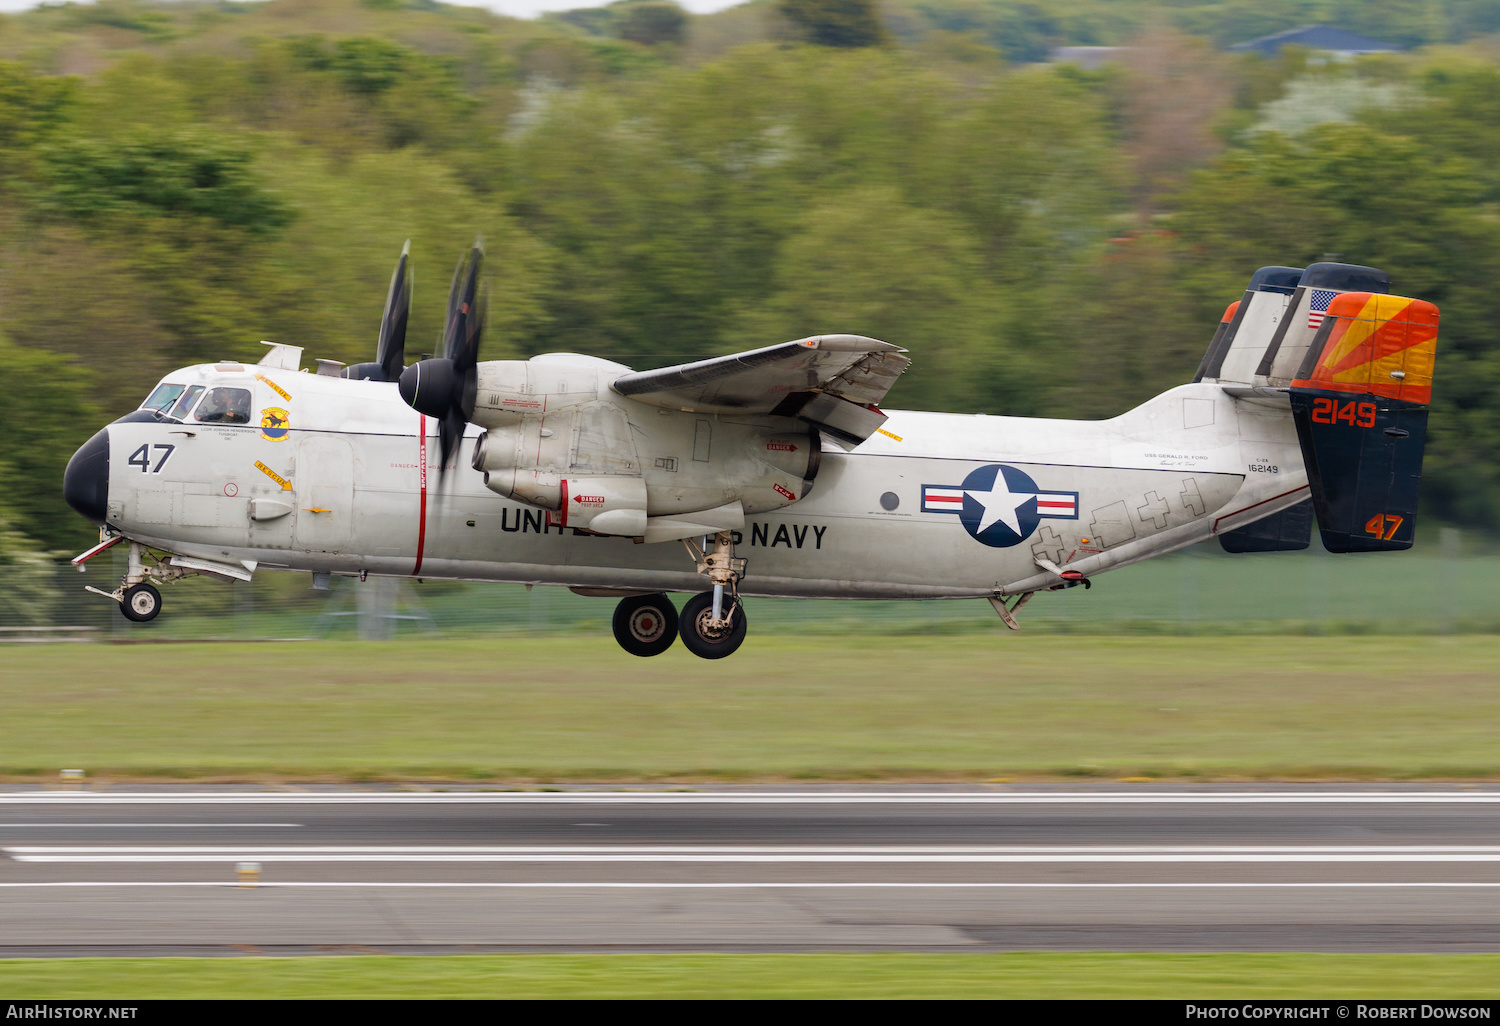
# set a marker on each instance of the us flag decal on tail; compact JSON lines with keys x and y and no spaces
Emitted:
{"x":1317,"y":307}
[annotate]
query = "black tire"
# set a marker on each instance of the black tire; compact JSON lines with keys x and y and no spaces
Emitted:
{"x":696,"y":612}
{"x":646,"y":625}
{"x":141,"y":603}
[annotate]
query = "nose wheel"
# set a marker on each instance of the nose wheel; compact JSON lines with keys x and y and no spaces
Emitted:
{"x":646,"y":625}
{"x":141,"y":602}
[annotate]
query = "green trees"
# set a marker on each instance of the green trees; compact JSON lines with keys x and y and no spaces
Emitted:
{"x":650,"y":22}
{"x":844,"y":23}
{"x":1045,"y":240}
{"x":46,"y":412}
{"x":191,"y":175}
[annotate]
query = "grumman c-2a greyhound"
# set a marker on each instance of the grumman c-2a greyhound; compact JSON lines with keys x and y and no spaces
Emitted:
{"x":767,"y":473}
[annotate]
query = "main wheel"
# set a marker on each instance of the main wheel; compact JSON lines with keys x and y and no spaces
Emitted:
{"x":704,"y":641}
{"x":141,"y":603}
{"x":646,"y":625}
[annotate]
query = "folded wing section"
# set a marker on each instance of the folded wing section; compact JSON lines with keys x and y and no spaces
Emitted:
{"x":832,"y":381}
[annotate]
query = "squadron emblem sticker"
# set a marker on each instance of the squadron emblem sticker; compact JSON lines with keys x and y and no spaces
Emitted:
{"x":274,"y":424}
{"x":998,"y":505}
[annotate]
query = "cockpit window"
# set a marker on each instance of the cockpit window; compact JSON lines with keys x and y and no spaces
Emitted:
{"x":185,"y":404}
{"x":225,"y":406}
{"x":162,"y":399}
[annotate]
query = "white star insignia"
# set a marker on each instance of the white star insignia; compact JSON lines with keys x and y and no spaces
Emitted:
{"x":1000,"y":505}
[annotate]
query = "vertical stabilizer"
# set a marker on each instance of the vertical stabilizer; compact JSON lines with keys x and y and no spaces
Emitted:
{"x":1317,"y":287}
{"x":1234,"y":354}
{"x":1359,"y":400}
{"x":1213,"y":345}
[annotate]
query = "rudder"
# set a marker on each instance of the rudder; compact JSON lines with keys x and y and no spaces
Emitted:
{"x":1360,"y":401}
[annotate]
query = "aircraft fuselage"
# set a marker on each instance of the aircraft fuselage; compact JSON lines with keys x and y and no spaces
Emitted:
{"x":340,"y":476}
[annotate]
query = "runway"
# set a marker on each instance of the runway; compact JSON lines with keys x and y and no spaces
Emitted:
{"x":1119,"y":868}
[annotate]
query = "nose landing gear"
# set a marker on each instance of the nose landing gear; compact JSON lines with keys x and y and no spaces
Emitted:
{"x":139,"y":600}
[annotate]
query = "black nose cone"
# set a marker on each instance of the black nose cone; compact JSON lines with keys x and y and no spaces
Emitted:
{"x":86,"y":481}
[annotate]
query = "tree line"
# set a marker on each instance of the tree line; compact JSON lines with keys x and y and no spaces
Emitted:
{"x":180,"y":181}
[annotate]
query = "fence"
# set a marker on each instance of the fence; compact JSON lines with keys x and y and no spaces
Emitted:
{"x":1435,"y":588}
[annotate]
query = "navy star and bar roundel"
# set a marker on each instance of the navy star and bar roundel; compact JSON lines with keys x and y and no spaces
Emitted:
{"x":999,"y":505}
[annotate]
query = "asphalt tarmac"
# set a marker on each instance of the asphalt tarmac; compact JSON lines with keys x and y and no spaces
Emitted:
{"x":1125,"y":868}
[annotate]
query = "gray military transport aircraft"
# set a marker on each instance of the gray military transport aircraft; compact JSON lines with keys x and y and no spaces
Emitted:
{"x":772,"y":472}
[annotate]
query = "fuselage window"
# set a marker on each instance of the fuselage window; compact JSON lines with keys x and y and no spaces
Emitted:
{"x":162,"y":399}
{"x":225,"y":406}
{"x":185,"y":404}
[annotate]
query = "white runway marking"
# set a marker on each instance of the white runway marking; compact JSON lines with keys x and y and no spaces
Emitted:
{"x":771,"y":885}
{"x":764,"y":854}
{"x":150,"y":826}
{"x":757,"y":798}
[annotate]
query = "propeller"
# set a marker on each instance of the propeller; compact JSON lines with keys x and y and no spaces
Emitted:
{"x":445,"y":388}
{"x":390,"y":352}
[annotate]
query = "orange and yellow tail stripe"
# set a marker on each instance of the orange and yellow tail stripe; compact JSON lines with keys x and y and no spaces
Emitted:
{"x":1377,"y":345}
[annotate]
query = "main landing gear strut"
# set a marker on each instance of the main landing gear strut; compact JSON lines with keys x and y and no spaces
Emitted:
{"x":712,"y":624}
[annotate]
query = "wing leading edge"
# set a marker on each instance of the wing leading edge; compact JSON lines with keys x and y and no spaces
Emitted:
{"x":832,"y":381}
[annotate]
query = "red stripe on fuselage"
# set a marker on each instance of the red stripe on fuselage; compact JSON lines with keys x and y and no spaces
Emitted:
{"x":422,"y":486}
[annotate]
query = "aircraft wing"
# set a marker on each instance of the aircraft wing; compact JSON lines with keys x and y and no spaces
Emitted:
{"x":832,"y":381}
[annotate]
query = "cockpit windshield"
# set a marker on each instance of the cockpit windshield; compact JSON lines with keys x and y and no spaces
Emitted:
{"x":185,"y":404}
{"x":225,"y":406}
{"x":162,"y":398}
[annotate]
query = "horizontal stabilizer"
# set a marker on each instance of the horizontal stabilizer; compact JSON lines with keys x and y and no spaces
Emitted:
{"x":1287,"y":531}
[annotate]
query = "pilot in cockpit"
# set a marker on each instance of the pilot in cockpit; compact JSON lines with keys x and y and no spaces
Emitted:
{"x":225,"y":406}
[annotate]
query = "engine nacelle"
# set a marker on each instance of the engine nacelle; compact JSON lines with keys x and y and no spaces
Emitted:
{"x":546,"y":385}
{"x":560,"y":439}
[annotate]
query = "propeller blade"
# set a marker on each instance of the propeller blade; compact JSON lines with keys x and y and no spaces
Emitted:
{"x":473,"y":310}
{"x":391,"y":350}
{"x":445,"y":388}
{"x":450,"y":436}
{"x":455,"y":299}
{"x":465,"y":317}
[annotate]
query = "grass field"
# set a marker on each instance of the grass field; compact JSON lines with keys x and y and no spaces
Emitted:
{"x":1018,"y":975}
{"x":515,"y":710}
{"x":1199,"y":591}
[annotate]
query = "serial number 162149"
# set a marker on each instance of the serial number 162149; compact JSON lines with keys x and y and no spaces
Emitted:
{"x":1264,"y":468}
